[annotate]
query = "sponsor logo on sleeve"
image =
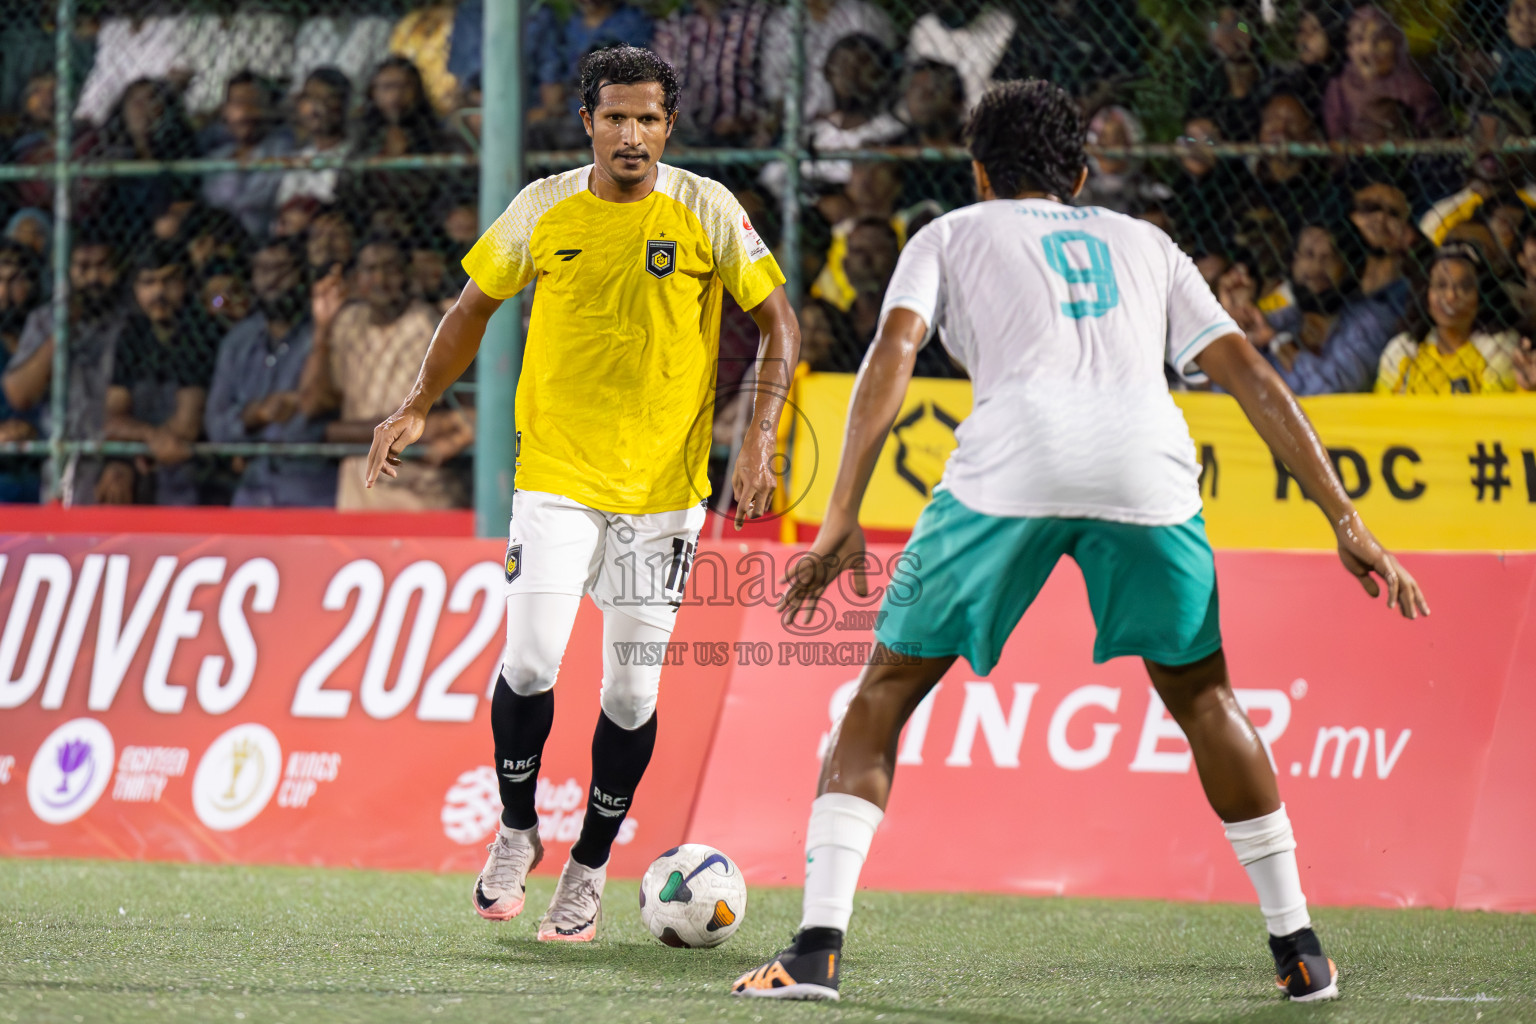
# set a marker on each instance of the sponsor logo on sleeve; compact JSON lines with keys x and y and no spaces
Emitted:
{"x":756,"y":249}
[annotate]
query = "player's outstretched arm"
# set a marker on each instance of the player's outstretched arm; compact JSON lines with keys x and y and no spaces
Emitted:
{"x":1238,"y":368}
{"x":777,"y":352}
{"x":878,"y":392}
{"x":453,"y":348}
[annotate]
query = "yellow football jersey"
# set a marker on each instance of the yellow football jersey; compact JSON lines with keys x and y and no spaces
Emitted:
{"x":1481,"y":366}
{"x":616,"y":399}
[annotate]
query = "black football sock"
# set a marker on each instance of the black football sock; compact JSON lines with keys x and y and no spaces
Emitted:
{"x":519,"y":725}
{"x":619,"y":757}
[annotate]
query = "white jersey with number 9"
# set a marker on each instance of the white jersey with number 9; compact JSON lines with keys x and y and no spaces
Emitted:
{"x":1064,"y":317}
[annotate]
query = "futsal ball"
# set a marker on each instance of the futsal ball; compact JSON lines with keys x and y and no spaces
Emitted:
{"x":693,"y":896}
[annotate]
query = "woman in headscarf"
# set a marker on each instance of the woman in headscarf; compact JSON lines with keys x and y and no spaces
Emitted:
{"x":1377,"y":67}
{"x":1117,"y":182}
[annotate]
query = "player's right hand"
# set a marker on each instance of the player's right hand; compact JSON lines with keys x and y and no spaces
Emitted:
{"x":390,"y":438}
{"x":839,"y":545}
{"x":1364,"y":556}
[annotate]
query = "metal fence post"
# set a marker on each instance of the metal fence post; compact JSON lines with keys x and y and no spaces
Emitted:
{"x":501,"y":353}
{"x":794,"y":100}
{"x":63,"y":150}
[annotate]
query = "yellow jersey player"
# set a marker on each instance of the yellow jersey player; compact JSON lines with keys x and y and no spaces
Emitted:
{"x":614,"y":409}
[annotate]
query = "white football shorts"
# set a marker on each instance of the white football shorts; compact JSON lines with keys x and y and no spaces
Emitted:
{"x":633,"y":563}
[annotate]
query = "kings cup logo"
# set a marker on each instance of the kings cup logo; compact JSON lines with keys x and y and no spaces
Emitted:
{"x":70,"y":770}
{"x":236,"y":777}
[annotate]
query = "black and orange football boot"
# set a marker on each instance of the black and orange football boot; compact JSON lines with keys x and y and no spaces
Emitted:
{"x":808,"y":969}
{"x":1301,"y":970}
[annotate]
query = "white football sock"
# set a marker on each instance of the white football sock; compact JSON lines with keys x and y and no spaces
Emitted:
{"x":836,"y":842}
{"x":1266,"y":848}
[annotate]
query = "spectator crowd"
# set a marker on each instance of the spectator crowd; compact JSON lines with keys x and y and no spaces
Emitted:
{"x":294,"y":305}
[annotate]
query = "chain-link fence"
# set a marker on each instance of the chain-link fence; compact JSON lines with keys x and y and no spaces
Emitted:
{"x":190,"y":188}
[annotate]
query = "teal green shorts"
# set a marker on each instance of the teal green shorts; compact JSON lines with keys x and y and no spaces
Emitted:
{"x":970,"y":577}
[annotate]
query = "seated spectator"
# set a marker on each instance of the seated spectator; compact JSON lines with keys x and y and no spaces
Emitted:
{"x":160,"y":375}
{"x":1490,"y":169}
{"x":207,"y":234}
{"x":365,"y":358}
{"x":329,"y":242}
{"x":34,"y":229}
{"x":1330,"y":339}
{"x":148,"y":123}
{"x":95,"y":322}
{"x":827,"y":343}
{"x":224,"y":297}
{"x":1208,"y":192}
{"x":255,"y":391}
{"x":250,"y":121}
{"x":430,"y":278}
{"x":1261,"y":234}
{"x":1509,"y":217}
{"x":20,"y":292}
{"x":593,"y":25}
{"x":935,"y":104}
{"x":1525,"y":292}
{"x":27,"y":40}
{"x":397,"y":120}
{"x":1466,"y":349}
{"x":34,"y":146}
{"x":1296,"y":188}
{"x":321,"y":119}
{"x":1392,"y":262}
{"x":859,"y":70}
{"x":970,"y":36}
{"x":350,"y":44}
{"x":869,"y":264}
{"x":1378,"y":67}
{"x":295,"y":216}
{"x":1118,"y":182}
{"x":421,"y":39}
{"x":1320,"y":46}
{"x":714,"y":46}
{"x":827,"y":22}
{"x":1228,"y":91}
{"x":1516,"y":55}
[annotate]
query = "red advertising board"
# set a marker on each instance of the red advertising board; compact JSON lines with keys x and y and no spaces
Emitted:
{"x":293,"y":700}
{"x":323,"y":701}
{"x":1402,"y":747}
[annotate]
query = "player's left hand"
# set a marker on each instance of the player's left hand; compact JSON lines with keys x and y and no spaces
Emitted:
{"x":1365,"y":558}
{"x":753,"y":483}
{"x":390,"y":438}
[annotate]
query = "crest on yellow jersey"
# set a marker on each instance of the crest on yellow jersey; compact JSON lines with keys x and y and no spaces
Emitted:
{"x":660,"y":257}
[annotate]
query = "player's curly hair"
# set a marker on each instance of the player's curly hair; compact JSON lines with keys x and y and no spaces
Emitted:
{"x":626,"y":65}
{"x":1029,"y":137}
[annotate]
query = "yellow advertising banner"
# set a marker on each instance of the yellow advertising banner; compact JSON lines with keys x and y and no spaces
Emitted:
{"x":1454,"y":473}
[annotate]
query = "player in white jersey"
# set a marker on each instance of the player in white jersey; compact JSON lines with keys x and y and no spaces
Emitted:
{"x":1064,"y":318}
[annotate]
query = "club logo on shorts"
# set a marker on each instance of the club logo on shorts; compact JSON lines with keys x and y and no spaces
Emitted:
{"x":514,"y":561}
{"x":660,"y":258}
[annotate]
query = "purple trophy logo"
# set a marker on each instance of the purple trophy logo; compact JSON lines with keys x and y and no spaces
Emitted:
{"x":73,"y":755}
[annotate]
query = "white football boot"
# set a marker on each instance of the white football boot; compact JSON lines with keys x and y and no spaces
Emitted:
{"x":503,"y":883}
{"x":576,"y":906}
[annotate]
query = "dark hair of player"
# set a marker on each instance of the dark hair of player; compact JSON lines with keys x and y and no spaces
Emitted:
{"x":626,"y":65}
{"x":1029,"y":138}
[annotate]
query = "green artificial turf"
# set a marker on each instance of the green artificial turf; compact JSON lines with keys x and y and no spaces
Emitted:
{"x":87,"y":941}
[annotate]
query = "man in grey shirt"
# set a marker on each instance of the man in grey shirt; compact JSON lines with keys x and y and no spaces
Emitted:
{"x":250,"y":196}
{"x":254,"y":395}
{"x":95,"y":321}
